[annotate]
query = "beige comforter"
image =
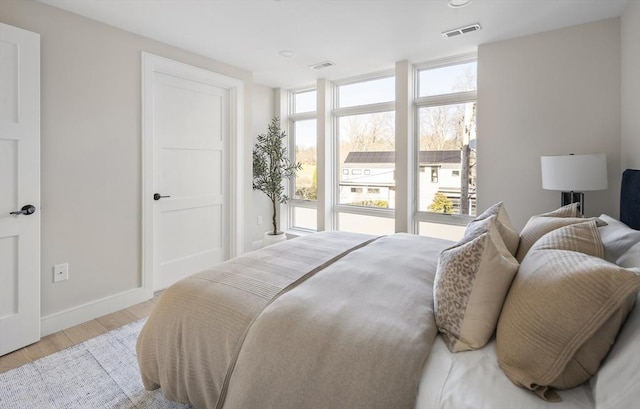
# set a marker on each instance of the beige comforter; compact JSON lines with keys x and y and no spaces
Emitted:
{"x":330,"y":320}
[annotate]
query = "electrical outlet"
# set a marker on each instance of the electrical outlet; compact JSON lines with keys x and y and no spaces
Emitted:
{"x":60,"y":272}
{"x":259,"y":219}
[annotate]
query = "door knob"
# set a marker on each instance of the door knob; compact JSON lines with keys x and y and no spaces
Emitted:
{"x":26,"y":210}
{"x":157,"y":196}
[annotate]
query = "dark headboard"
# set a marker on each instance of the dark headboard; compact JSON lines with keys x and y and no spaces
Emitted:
{"x":630,"y":198}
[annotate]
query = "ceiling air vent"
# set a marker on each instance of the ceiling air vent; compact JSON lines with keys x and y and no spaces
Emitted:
{"x":321,"y":65}
{"x":461,"y":30}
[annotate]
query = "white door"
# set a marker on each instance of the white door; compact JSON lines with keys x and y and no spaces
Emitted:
{"x":19,"y":188}
{"x":191,"y":133}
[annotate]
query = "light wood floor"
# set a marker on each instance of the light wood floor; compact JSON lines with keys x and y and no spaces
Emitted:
{"x":75,"y":335}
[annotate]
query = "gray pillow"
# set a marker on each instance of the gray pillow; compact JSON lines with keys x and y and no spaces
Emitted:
{"x":617,"y":238}
{"x":630,"y":259}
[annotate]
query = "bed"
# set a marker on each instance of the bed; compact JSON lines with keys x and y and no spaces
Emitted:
{"x":340,"y":320}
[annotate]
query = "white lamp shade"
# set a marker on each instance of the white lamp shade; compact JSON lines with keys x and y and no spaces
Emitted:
{"x":577,"y":173}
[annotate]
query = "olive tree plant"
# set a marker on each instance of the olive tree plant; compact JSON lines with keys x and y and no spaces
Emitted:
{"x":271,"y":167}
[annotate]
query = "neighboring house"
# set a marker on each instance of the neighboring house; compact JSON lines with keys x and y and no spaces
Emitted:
{"x":369,"y":177}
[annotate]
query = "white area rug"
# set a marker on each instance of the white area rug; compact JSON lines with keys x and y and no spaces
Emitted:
{"x":99,"y":373}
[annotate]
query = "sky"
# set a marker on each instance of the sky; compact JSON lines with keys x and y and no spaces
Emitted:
{"x":435,"y":81}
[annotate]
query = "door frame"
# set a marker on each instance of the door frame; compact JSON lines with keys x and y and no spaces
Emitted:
{"x":152,"y":64}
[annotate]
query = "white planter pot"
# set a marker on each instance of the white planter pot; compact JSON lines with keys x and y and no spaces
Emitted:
{"x":270,"y":238}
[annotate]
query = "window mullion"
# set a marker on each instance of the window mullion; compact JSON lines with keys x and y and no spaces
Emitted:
{"x":303,"y":116}
{"x":365,"y":109}
{"x":446,"y":99}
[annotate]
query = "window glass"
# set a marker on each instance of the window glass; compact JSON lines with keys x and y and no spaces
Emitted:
{"x":306,"y":180}
{"x":441,"y":231}
{"x":447,"y":80}
{"x":367,"y":141}
{"x":447,"y":159}
{"x":359,"y":223}
{"x":304,"y":102}
{"x":367,"y":92}
{"x":305,"y":218}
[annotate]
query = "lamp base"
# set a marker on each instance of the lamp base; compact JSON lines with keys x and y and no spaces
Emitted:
{"x":573,"y":197}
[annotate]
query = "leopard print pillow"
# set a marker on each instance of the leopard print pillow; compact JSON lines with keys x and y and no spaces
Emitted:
{"x":472,"y":277}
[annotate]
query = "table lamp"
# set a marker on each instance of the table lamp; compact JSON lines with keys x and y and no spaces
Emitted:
{"x":573,"y":175}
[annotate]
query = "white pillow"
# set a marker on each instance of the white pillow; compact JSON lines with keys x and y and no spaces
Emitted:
{"x":630,"y":259}
{"x":617,"y":238}
{"x":617,"y":382}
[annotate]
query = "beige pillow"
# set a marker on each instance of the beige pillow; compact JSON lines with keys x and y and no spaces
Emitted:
{"x":472,"y":280}
{"x":509,"y":235}
{"x":570,"y":210}
{"x":563,"y":311}
{"x":538,"y":226}
{"x":478,"y":227}
{"x":582,"y":237}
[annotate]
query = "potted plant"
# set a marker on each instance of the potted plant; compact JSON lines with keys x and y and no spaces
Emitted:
{"x":271,"y":167}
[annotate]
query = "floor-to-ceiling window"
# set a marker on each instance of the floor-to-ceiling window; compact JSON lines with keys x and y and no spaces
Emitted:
{"x":365,"y":155}
{"x":446,"y":141}
{"x":304,"y":144}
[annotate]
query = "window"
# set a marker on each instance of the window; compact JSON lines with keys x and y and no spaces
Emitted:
{"x":434,"y":174}
{"x":304,"y":189}
{"x":367,"y":92}
{"x":447,"y":80}
{"x":306,"y":181}
{"x":365,"y":140}
{"x":304,"y":102}
{"x":445,"y":111}
{"x":359,"y":155}
{"x":447,"y":140}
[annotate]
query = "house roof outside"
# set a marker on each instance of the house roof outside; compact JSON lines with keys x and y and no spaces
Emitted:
{"x":425,"y":157}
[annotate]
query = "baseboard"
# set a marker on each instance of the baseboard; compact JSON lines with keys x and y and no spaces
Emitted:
{"x":86,"y":312}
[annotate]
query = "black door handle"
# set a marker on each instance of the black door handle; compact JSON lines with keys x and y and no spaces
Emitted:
{"x":26,"y":210}
{"x":157,"y":196}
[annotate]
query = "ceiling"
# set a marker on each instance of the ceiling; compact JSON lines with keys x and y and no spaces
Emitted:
{"x":359,"y":36}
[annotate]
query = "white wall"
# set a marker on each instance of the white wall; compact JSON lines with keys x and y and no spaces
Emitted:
{"x":630,"y":85}
{"x":91,"y":157}
{"x":551,"y":93}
